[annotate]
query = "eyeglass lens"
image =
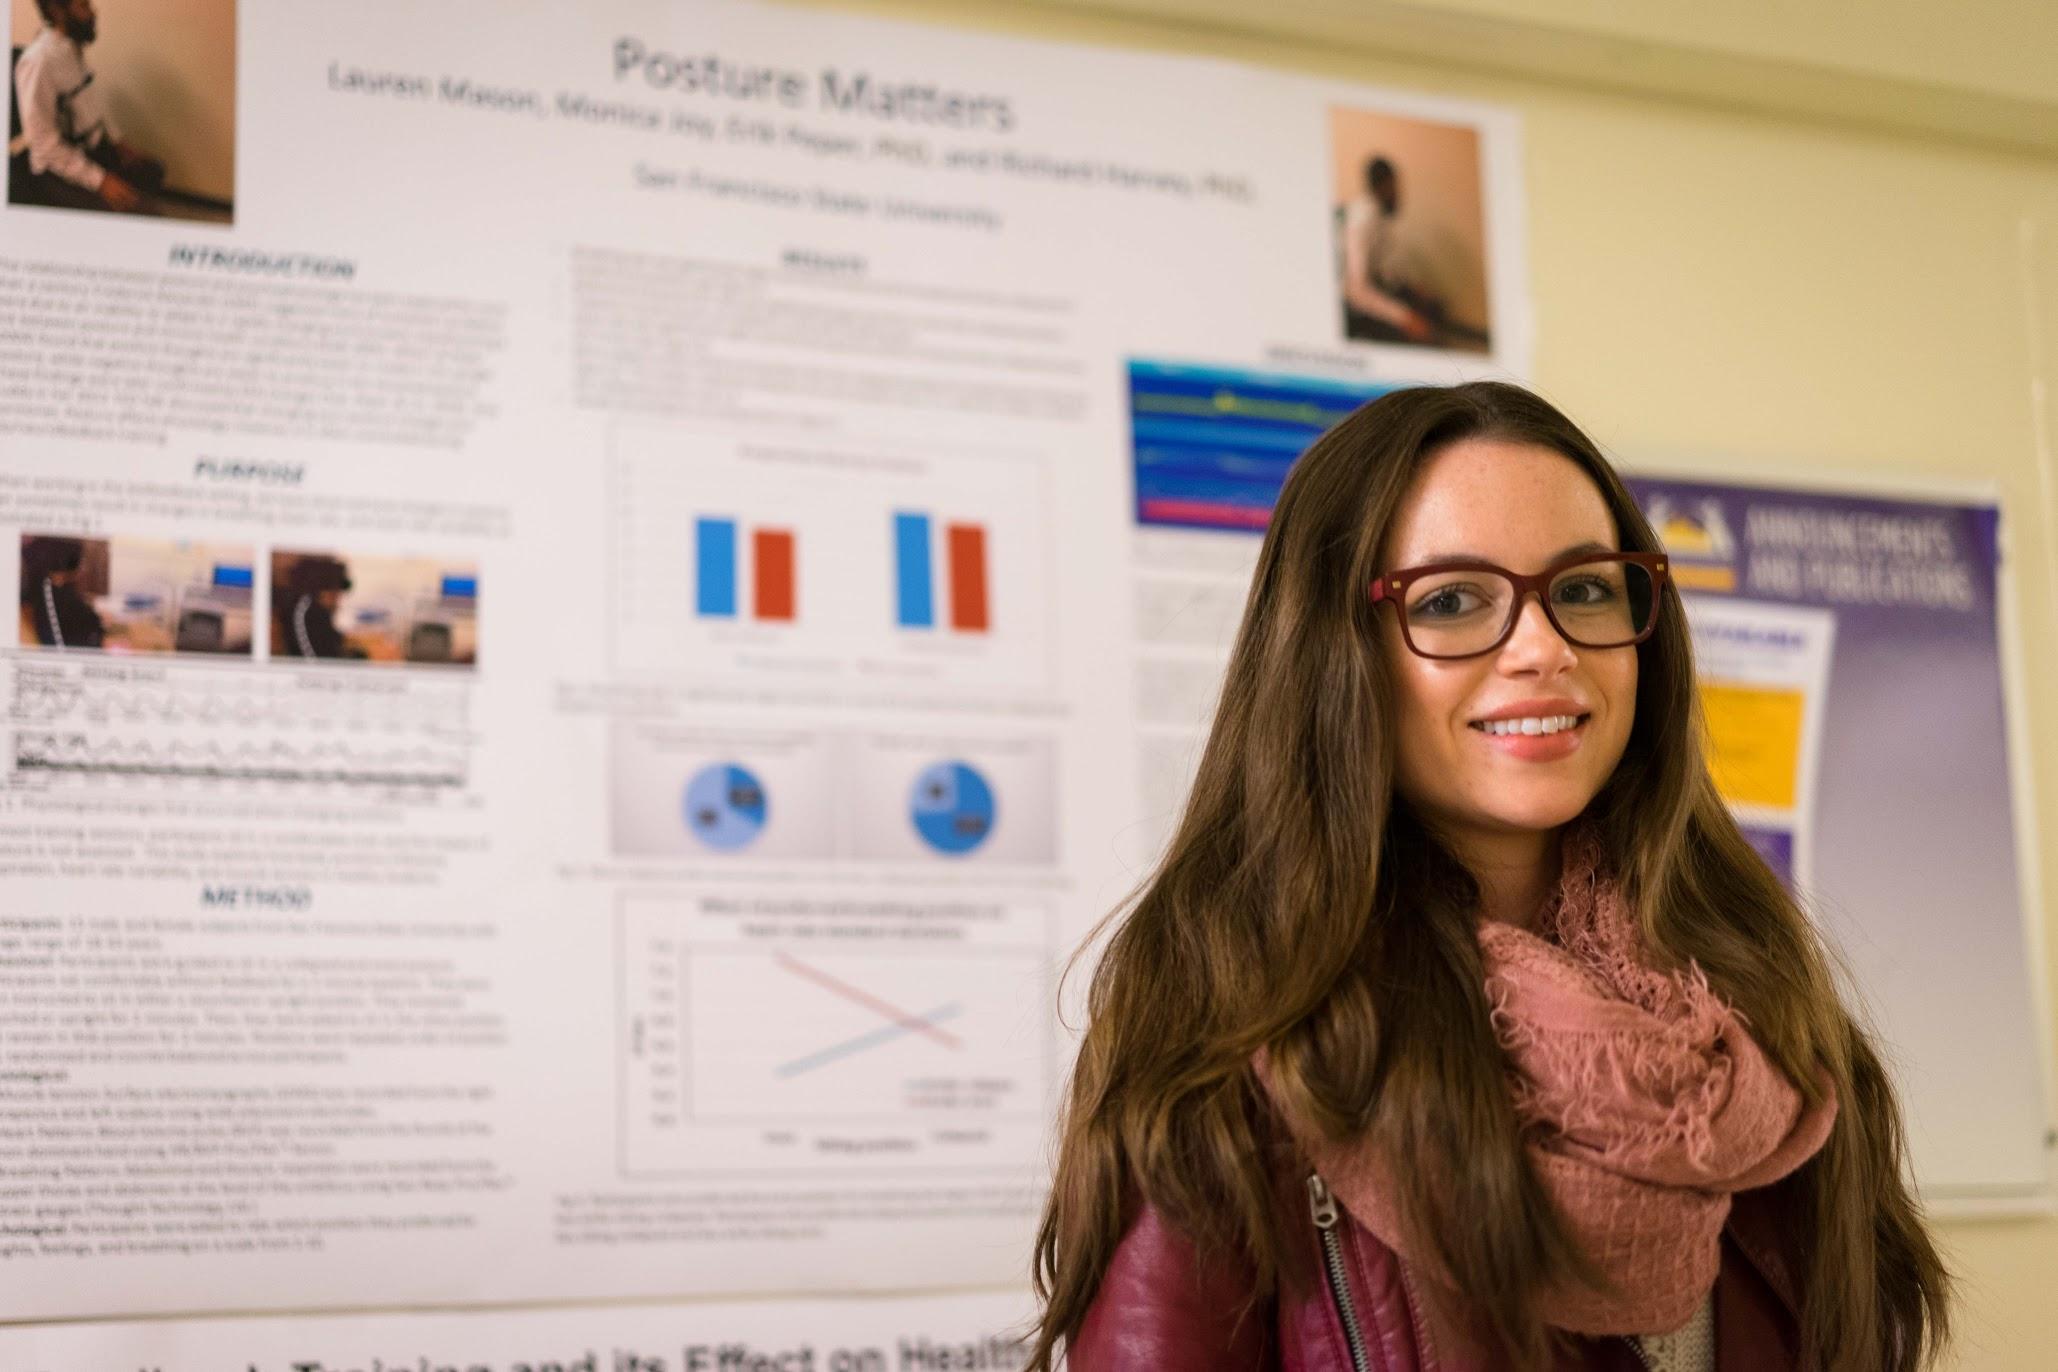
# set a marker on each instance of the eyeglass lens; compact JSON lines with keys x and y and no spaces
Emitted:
{"x":1596,"y":604}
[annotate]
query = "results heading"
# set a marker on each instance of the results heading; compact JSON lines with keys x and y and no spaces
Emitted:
{"x":848,"y":92}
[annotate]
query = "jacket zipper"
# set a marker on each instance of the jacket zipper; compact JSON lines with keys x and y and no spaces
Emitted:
{"x":1322,"y":1206}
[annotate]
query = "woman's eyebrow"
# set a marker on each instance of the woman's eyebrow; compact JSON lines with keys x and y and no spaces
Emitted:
{"x":1587,"y":547}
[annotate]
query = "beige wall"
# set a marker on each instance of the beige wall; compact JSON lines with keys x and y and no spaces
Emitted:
{"x":1995,"y":47}
{"x":169,"y":68}
{"x":1719,"y":287}
{"x":1979,"y":68}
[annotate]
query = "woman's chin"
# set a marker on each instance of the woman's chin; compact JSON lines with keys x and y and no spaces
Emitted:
{"x":1535,"y":814}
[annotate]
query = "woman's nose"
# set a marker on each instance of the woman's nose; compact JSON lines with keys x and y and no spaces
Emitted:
{"x":1535,"y":642}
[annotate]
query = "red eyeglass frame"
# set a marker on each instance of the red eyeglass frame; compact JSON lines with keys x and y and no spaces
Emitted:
{"x":1392,"y":589}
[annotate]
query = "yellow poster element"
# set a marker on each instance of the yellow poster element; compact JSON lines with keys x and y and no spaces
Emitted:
{"x":1754,"y":742}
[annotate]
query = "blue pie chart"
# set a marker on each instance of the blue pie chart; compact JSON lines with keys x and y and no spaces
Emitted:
{"x":952,"y":807}
{"x":725,"y":806}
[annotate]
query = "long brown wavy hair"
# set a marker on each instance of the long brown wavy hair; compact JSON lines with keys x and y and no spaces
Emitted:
{"x":1303,"y":909}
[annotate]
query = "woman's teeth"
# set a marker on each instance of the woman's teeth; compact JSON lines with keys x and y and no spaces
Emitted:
{"x":1534,"y":724}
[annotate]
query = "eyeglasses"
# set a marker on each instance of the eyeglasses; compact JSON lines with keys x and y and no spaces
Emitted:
{"x":1462,"y":609}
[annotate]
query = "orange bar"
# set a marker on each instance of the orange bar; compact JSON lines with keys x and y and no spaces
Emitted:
{"x":772,"y":594}
{"x":967,"y":576}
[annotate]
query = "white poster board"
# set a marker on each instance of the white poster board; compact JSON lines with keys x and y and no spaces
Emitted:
{"x":604,"y":590}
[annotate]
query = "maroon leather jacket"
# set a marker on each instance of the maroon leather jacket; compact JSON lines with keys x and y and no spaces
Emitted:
{"x":1160,"y":1308}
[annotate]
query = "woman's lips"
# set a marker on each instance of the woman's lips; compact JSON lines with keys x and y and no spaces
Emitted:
{"x":1537,"y":747}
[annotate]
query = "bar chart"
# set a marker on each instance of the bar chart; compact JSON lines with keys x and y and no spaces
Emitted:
{"x":717,"y":570}
{"x":863,"y":562}
{"x":963,"y":566}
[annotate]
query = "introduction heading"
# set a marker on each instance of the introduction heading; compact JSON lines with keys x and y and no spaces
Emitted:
{"x":846,"y":92}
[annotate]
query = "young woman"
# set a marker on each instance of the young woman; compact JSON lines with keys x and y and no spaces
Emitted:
{"x":1459,"y":1027}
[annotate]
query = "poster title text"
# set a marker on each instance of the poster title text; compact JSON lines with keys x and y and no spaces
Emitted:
{"x":839,"y":91}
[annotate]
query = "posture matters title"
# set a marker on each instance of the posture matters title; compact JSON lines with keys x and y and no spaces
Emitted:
{"x":848,"y":92}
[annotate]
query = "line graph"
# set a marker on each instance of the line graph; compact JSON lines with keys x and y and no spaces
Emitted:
{"x":910,"y":1023}
{"x":874,"y":1035}
{"x":792,"y":1034}
{"x":885,"y":1034}
{"x":898,"y":1022}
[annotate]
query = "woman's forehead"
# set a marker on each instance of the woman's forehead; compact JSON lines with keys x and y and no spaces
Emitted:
{"x":1506,"y":502}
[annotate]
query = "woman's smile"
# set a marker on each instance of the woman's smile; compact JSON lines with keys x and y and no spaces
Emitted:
{"x":1539,"y":729}
{"x":1535,"y":738}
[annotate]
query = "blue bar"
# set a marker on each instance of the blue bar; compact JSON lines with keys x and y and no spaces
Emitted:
{"x":1164,"y":375}
{"x":232,"y":576}
{"x":911,"y":566}
{"x":1224,"y":433}
{"x":715,"y":543}
{"x":460,"y":588}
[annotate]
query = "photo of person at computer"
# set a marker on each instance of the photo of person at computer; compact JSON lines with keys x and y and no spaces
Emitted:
{"x":353,"y":607}
{"x":1408,"y":231}
{"x":135,"y":595}
{"x":124,"y":106}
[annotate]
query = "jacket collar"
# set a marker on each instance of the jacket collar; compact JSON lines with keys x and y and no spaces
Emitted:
{"x":1754,"y":1226}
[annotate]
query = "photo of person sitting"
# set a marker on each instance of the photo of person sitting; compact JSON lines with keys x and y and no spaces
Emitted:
{"x":1408,"y":226}
{"x":304,"y":605}
{"x":55,"y":610}
{"x":76,"y":155}
{"x":1388,"y":295}
{"x":135,"y":595}
{"x":374,"y":608}
{"x":67,"y":147}
{"x":1378,"y":302}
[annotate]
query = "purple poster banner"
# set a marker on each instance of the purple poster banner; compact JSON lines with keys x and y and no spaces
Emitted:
{"x":1910,"y":818}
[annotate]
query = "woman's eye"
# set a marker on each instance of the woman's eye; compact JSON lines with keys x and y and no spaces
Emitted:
{"x":1587,"y":590}
{"x":1450,"y":600}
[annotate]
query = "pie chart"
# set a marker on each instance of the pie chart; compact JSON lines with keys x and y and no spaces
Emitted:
{"x":725,"y":806}
{"x":952,"y":807}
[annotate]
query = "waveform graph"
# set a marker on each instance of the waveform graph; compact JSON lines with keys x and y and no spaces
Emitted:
{"x":389,"y":768}
{"x":56,"y":694}
{"x":806,"y":1034}
{"x":222,"y":728}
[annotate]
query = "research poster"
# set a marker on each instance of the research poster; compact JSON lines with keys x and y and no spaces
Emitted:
{"x":604,"y":592}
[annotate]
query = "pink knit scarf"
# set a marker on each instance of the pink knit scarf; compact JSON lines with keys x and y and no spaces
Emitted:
{"x":1645,"y":1104}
